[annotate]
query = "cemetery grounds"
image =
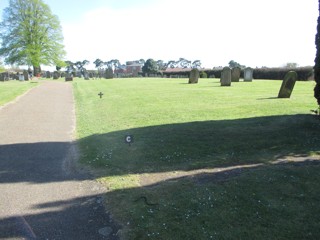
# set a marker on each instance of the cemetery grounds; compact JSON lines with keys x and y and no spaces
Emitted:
{"x":206,"y":162}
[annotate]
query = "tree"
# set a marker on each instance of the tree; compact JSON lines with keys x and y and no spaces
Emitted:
{"x":317,"y":62}
{"x":291,"y":65}
{"x":150,"y":67}
{"x":31,"y":35}
{"x":233,"y":64}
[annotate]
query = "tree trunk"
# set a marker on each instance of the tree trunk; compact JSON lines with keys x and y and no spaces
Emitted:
{"x":317,"y":61}
{"x":37,"y":70}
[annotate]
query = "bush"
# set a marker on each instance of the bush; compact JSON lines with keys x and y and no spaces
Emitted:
{"x":203,"y":74}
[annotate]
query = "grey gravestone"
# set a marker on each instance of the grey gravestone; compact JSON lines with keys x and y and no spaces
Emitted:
{"x":56,"y":75}
{"x":226,"y":77}
{"x":21,"y":77}
{"x":48,"y":74}
{"x":86,"y":76}
{"x":194,"y":76}
{"x":288,"y":84}
{"x":26,"y":75}
{"x":248,"y":74}
{"x":235,"y":74}
{"x":6,"y":76}
{"x":109,"y":73}
{"x":69,"y":77}
{"x":1,"y":77}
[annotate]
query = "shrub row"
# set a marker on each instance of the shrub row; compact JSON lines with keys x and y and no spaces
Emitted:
{"x":304,"y":73}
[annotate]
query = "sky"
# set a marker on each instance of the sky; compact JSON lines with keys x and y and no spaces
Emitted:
{"x":254,"y":33}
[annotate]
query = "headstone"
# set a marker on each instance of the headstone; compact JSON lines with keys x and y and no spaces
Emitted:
{"x":248,"y":74}
{"x":21,"y":77}
{"x":194,"y":76}
{"x":48,"y":74}
{"x":6,"y":76}
{"x":226,"y":77}
{"x":288,"y":84}
{"x":1,"y":77}
{"x":86,"y":76}
{"x":26,"y":75}
{"x":69,"y":77}
{"x":56,"y":75}
{"x":235,"y":74}
{"x":109,"y":73}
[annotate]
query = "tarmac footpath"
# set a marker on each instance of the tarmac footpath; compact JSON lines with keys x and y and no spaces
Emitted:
{"x":42,"y":194}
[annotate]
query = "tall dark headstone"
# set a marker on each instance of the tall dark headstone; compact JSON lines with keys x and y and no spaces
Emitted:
{"x":235,"y":74}
{"x":109,"y":73}
{"x":225,"y":79}
{"x":56,"y":75}
{"x":48,"y":74}
{"x":194,"y":76}
{"x":26,"y":75}
{"x":69,"y":77}
{"x":288,"y":85}
{"x":1,"y":77}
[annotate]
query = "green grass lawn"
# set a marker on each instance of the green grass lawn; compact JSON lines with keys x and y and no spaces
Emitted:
{"x":9,"y":90}
{"x":180,"y":131}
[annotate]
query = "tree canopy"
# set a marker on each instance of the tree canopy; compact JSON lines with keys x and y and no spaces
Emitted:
{"x":30,"y":35}
{"x":317,"y":61}
{"x":150,"y":67}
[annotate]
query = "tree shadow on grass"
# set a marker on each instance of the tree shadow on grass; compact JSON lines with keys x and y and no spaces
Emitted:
{"x":257,"y":202}
{"x":156,"y":149}
{"x":208,"y":144}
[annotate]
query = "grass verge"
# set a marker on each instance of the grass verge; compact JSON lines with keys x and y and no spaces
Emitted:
{"x":9,"y":90}
{"x":181,"y":129}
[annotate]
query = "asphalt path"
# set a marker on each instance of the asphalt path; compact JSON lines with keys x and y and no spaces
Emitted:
{"x":43,"y":195}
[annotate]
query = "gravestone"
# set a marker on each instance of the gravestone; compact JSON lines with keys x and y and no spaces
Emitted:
{"x":21,"y":77}
{"x":86,"y":76}
{"x":78,"y":74}
{"x":1,"y":77}
{"x":288,"y":84}
{"x":69,"y":77}
{"x":26,"y":75}
{"x":248,"y":74}
{"x":226,"y":77}
{"x":235,"y":74}
{"x":109,"y":73}
{"x":48,"y":74}
{"x":194,"y":76}
{"x":6,"y":76}
{"x":56,"y":75}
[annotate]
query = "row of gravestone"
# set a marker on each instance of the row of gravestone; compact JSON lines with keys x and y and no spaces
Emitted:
{"x":69,"y":76}
{"x":22,"y":76}
{"x":228,"y":75}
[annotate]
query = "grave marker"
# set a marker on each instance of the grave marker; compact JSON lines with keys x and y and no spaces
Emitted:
{"x":194,"y":76}
{"x":288,"y":85}
{"x":235,"y":74}
{"x":100,"y":94}
{"x":226,"y":77}
{"x":248,"y":74}
{"x":56,"y":75}
{"x":69,"y":77}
